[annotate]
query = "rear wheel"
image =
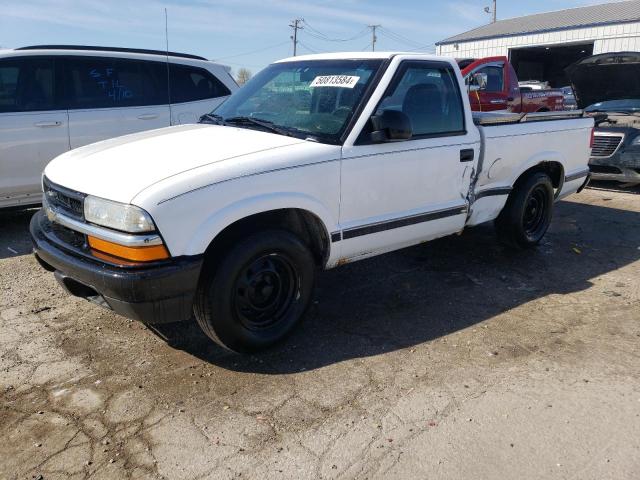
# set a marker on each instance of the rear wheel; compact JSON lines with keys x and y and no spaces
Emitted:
{"x":257,"y":293}
{"x":527,"y":215}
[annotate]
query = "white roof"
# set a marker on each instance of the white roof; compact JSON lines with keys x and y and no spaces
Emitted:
{"x":356,"y":56}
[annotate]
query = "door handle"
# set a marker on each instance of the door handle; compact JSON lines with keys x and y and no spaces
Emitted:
{"x":47,"y":124}
{"x":510,"y":99}
{"x":498,"y":101}
{"x":147,"y":116}
{"x":467,"y":155}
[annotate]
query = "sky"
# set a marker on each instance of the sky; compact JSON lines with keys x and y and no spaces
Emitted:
{"x":252,"y":33}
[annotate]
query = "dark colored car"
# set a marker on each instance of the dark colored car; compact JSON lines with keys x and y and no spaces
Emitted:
{"x":608,"y":87}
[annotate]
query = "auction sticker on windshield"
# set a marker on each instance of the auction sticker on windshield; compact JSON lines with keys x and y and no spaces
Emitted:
{"x":343,"y":81}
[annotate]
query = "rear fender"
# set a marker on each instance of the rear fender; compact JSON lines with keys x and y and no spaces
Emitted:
{"x":539,"y":159}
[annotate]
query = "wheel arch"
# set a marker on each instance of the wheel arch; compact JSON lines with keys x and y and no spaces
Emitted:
{"x":550,"y":163}
{"x":299,"y":214}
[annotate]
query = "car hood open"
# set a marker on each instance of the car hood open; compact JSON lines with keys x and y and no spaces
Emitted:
{"x":608,"y":76}
{"x":120,"y":168}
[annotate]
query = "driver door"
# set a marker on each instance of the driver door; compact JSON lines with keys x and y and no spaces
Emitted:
{"x":487,"y":92}
{"x":397,"y":194}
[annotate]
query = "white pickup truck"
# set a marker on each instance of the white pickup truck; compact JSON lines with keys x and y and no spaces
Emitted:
{"x":318,"y":161}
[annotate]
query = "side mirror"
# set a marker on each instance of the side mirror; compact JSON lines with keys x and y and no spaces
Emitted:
{"x":478,"y":82}
{"x":390,"y":126}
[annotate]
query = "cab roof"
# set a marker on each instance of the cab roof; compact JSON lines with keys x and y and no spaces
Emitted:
{"x":358,"y":56}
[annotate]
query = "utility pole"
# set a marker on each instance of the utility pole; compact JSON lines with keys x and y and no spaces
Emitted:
{"x":374,"y":39}
{"x":295,"y":24}
{"x":493,"y":11}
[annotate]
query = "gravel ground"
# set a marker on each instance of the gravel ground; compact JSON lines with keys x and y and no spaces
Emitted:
{"x":454,"y":359}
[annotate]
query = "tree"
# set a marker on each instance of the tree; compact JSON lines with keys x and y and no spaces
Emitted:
{"x":244,"y":75}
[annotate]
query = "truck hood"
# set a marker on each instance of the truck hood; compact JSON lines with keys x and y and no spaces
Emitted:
{"x":120,"y":168}
{"x":609,"y":76}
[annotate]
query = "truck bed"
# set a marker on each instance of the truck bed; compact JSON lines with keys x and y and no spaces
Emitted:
{"x":558,"y":138}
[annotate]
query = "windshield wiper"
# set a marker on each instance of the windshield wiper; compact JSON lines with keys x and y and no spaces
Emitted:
{"x":211,"y":118}
{"x":266,"y":124}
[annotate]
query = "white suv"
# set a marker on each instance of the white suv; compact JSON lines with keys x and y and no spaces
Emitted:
{"x":56,"y":98}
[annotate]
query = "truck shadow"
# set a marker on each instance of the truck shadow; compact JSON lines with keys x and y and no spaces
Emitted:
{"x":416,"y":295}
{"x":14,"y":232}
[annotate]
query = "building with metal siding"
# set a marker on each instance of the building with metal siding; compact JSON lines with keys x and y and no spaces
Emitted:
{"x":541,"y":46}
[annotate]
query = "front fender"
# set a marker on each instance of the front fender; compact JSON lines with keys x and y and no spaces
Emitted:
{"x":211,"y":226}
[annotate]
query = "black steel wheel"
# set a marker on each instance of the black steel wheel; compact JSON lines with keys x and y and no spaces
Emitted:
{"x":527,"y":214}
{"x":257,"y":292}
{"x":264,"y":291}
{"x":534,"y":217}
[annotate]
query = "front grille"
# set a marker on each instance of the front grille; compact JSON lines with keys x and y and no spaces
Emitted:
{"x":603,"y":169}
{"x":62,"y":199}
{"x":605,"y":145}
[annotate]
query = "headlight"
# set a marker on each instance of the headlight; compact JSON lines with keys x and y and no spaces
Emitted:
{"x":636,"y":141}
{"x":119,"y":216}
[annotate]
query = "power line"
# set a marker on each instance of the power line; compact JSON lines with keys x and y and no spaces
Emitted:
{"x":314,"y":32}
{"x":398,"y":38}
{"x":307,"y":47}
{"x":326,"y":39}
{"x":428,"y":46}
{"x":253,"y":51}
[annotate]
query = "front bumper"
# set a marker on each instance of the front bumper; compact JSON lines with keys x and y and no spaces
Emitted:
{"x":622,"y":166}
{"x":157,"y":292}
{"x":617,"y":174}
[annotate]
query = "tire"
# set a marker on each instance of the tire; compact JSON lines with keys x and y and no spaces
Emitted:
{"x":527,"y":215}
{"x":257,"y":293}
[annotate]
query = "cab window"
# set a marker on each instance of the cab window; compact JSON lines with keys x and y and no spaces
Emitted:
{"x":492,"y":76}
{"x":429,"y":95}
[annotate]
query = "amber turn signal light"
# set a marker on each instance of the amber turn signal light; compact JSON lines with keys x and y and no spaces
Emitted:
{"x":135,"y":254}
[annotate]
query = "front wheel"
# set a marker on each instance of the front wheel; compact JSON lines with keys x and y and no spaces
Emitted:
{"x":257,"y":293}
{"x":527,"y":215}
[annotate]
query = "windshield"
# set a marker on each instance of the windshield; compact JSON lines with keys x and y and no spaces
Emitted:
{"x":628,"y":105}
{"x":314,"y":98}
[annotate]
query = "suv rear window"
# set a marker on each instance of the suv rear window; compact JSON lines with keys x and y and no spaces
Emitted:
{"x":27,"y":85}
{"x":189,"y":84}
{"x":97,"y":82}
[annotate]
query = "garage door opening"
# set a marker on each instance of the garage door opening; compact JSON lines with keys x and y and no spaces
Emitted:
{"x":547,"y":64}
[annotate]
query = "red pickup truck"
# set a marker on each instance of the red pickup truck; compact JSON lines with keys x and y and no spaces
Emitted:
{"x":493,"y":85}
